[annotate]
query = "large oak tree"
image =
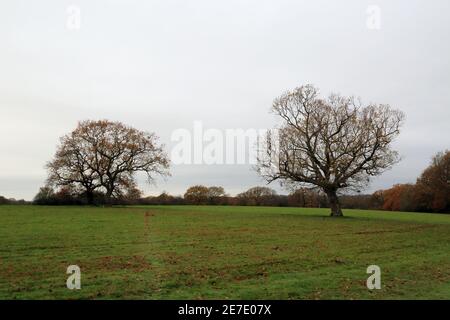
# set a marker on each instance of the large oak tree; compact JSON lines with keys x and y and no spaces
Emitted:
{"x":332,"y":144}
{"x":105,"y":156}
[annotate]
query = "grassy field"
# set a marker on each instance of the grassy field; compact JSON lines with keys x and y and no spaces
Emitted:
{"x":190,"y":252}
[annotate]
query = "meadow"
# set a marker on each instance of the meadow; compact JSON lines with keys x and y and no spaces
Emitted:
{"x":220,"y":252}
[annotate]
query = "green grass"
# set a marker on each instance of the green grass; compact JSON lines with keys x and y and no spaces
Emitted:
{"x":190,"y":252}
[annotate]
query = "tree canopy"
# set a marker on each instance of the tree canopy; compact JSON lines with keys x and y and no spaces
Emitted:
{"x":104,"y":155}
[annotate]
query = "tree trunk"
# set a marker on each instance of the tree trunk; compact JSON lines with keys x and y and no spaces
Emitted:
{"x":109,"y":196}
{"x":334,"y":204}
{"x":90,"y":197}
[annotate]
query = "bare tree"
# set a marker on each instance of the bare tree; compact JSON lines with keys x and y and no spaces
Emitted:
{"x":72,"y":166}
{"x":106,"y":155}
{"x":331,"y":144}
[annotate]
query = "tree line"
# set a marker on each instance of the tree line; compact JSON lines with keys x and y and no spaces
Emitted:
{"x":322,"y":148}
{"x":430,"y":193}
{"x":4,"y":200}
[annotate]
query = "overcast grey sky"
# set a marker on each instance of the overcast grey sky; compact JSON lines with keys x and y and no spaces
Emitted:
{"x":161,"y":65}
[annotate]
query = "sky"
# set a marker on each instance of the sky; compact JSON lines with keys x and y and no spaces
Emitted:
{"x":161,"y":66}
